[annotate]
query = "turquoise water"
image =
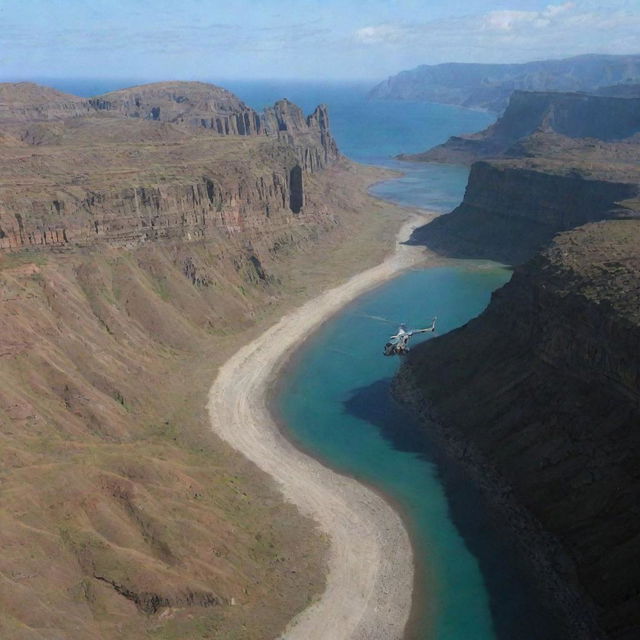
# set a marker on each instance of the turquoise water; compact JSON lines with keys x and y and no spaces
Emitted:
{"x":335,"y":402}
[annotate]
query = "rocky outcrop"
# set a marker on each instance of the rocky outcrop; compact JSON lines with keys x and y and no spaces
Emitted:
{"x":40,"y":115}
{"x":87,"y":180}
{"x":489,"y":86}
{"x":511,"y":208}
{"x":286,"y":121}
{"x":573,"y":115}
{"x":195,"y":104}
{"x":544,"y":388}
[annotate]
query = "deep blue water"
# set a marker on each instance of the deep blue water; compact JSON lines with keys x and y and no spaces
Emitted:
{"x":335,"y":398}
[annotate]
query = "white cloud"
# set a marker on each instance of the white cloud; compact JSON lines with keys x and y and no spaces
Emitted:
{"x":383,"y":33}
{"x":508,"y":20}
{"x":559,"y":30}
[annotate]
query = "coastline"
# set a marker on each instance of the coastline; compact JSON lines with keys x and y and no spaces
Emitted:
{"x":370,"y":566}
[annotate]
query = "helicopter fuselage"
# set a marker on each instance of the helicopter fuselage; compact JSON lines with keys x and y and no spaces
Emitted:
{"x":398,"y":344}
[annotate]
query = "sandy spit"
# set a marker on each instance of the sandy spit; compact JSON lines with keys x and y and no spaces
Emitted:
{"x":370,"y":565}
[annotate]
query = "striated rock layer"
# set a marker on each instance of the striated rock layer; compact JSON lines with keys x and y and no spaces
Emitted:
{"x":511,"y":208}
{"x":545,"y":387}
{"x":566,"y":160}
{"x":138,"y":255}
{"x":154,"y":167}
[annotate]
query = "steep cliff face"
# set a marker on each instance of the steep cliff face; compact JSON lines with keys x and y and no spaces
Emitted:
{"x":627,"y":90}
{"x":573,"y":115}
{"x":180,"y":106}
{"x":545,"y":386}
{"x":127,"y":179}
{"x":511,"y":208}
{"x":490,"y":85}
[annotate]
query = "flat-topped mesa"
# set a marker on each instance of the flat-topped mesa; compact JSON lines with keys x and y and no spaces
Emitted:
{"x":195,"y":104}
{"x":575,"y":115}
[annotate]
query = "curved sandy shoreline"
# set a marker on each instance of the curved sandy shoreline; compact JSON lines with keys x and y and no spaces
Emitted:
{"x":370,"y":572}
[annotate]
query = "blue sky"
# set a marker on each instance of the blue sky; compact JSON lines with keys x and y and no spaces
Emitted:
{"x":311,"y":39}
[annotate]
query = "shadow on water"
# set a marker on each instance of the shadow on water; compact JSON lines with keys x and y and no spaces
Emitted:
{"x":517,"y":609}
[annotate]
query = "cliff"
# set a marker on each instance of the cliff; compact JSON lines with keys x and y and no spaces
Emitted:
{"x":195,"y":104}
{"x":573,"y":115}
{"x":557,"y":161}
{"x":511,"y":208}
{"x":488,"y":86}
{"x":627,"y":90}
{"x":286,"y":121}
{"x":139,"y":254}
{"x":543,"y":390}
{"x":130,"y":177}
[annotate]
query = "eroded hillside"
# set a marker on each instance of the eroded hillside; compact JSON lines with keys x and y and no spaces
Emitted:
{"x":138,"y":253}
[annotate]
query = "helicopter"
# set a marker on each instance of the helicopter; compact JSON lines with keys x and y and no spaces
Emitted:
{"x":398,"y":344}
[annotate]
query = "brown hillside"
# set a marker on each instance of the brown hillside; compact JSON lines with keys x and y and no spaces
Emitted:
{"x":131,"y":268}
